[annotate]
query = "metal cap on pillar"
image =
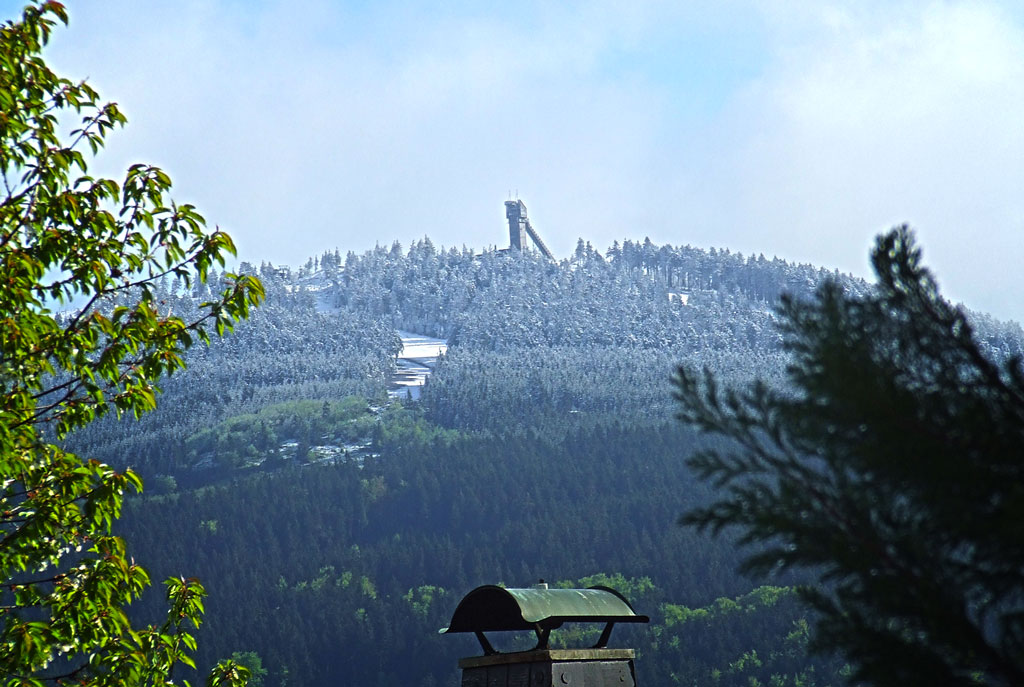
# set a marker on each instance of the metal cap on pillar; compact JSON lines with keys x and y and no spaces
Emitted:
{"x":494,"y":609}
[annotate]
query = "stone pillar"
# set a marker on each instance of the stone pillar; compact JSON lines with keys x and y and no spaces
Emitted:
{"x":551,"y":668}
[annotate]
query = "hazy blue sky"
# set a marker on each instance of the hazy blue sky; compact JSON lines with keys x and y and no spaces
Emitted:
{"x":797,"y":129}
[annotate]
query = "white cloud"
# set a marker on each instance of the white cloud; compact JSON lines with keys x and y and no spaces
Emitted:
{"x":302,"y":144}
{"x":342,"y":125}
{"x":882,"y":118}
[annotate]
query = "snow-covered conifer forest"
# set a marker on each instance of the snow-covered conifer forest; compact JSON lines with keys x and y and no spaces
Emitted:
{"x":336,"y":525}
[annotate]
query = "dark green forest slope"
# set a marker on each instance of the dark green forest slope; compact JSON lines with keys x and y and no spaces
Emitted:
{"x":336,"y":530}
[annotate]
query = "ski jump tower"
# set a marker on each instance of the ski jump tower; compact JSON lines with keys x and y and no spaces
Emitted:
{"x":518,"y":224}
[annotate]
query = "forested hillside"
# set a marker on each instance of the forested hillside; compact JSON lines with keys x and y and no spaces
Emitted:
{"x":288,"y":351}
{"x":336,"y":530}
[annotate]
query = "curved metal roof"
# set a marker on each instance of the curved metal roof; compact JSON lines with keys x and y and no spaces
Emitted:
{"x":493,"y":608}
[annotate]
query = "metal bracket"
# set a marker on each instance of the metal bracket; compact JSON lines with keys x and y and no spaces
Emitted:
{"x":606,"y":634}
{"x":542,"y":637}
{"x":484,"y":644}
